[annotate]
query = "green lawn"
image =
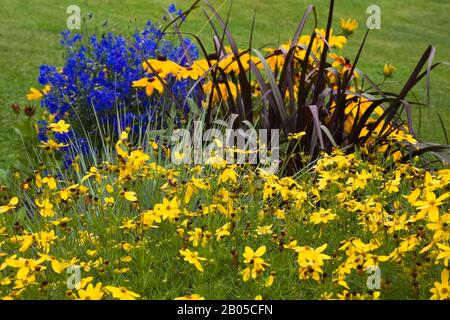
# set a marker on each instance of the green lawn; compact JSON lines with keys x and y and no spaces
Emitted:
{"x":29,"y":35}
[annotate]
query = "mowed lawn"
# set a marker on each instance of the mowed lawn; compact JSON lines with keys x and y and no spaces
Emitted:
{"x":29,"y":37}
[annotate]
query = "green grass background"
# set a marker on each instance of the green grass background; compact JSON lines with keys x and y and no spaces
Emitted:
{"x":29,"y":37}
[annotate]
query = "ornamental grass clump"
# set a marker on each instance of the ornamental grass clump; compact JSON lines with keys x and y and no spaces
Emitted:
{"x":307,"y":86}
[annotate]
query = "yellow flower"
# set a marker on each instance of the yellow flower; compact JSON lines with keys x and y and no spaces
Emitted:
{"x":256,"y":265}
{"x":46,"y":239}
{"x":270,"y":279}
{"x":150,"y":85}
{"x":168,"y":209}
{"x":60,"y":266}
{"x":148,"y":217}
{"x":161,"y":66}
{"x":193,"y":186}
{"x":91,"y":292}
{"x":198,"y":236}
{"x":193,"y":258}
{"x":194,"y":72}
{"x":348,"y":26}
{"x":296,"y":136}
{"x":52,"y":145}
{"x":109,"y":201}
{"x":60,"y":127}
{"x":122,"y":293}
{"x":441,"y":290}
{"x":228,"y":174}
{"x":34,"y":94}
{"x":51,"y":182}
{"x":323,"y":216}
{"x":310,"y":261}
{"x":130,"y":196}
{"x":264,"y":230}
{"x":83,"y":283}
{"x":223,"y":231}
{"x":11,"y":205}
{"x":430,"y":206}
{"x":444,"y":253}
{"x":109,"y":188}
{"x":45,"y":207}
{"x":388,"y":70}
{"x":128,"y":224}
{"x":334,"y":41}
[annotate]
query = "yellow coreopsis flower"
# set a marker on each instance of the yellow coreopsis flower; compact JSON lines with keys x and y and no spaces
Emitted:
{"x":59,"y":127}
{"x":91,"y":292}
{"x":52,"y":145}
{"x":444,"y":253}
{"x":11,"y":205}
{"x":256,"y":264}
{"x":193,"y":258}
{"x":296,"y":136}
{"x":168,"y":209}
{"x":228,"y":174}
{"x":264,"y":230}
{"x":45,"y":207}
{"x":430,"y":205}
{"x":50,"y":181}
{"x":130,"y":196}
{"x":441,"y":290}
{"x":223,"y":231}
{"x":310,"y":261}
{"x":122,"y":293}
{"x":198,"y":236}
{"x":323,"y":216}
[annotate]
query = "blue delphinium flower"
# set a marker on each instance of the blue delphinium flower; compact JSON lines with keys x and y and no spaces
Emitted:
{"x":95,"y":83}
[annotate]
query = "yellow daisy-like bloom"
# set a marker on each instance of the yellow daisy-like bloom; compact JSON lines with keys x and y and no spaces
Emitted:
{"x":150,"y":85}
{"x":348,"y":26}
{"x":193,"y":258}
{"x":36,"y":94}
{"x":441,"y":290}
{"x":45,"y":207}
{"x":162,"y":66}
{"x":91,"y":292}
{"x":323,"y":216}
{"x":430,"y":205}
{"x":122,"y":293}
{"x":60,"y":127}
{"x":11,"y":205}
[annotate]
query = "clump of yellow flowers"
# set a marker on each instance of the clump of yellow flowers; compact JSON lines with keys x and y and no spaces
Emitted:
{"x":134,"y":227}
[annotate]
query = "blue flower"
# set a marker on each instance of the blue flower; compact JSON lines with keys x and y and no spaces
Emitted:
{"x":96,"y":79}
